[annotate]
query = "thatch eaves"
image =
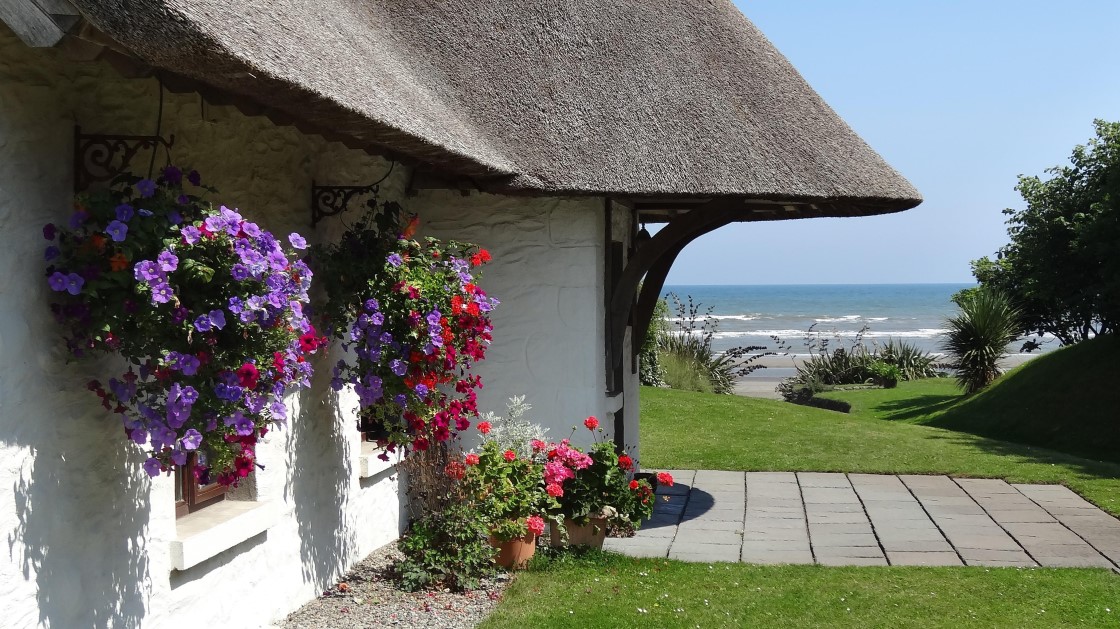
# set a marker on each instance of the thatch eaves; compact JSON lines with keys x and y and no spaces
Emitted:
{"x":623,"y":98}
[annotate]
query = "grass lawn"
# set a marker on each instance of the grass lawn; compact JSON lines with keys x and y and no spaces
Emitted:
{"x":683,"y":430}
{"x":603,"y":590}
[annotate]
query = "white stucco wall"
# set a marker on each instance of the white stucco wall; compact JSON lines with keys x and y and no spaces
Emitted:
{"x":87,"y":532}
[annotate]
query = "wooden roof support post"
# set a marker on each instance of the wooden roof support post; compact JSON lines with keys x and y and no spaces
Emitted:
{"x":660,"y":252}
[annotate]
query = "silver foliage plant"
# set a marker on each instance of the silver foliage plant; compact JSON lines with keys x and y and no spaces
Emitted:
{"x":514,"y":431}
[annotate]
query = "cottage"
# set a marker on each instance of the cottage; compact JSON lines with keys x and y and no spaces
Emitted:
{"x":548,"y":132}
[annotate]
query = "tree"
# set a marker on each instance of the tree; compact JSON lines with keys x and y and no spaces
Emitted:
{"x":1062,"y":266}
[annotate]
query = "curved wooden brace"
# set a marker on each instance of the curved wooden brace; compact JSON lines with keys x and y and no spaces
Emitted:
{"x":655,"y":258}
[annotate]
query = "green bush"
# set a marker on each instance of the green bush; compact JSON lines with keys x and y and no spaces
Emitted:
{"x":687,"y":356}
{"x":913,"y":363}
{"x":449,"y":549}
{"x":650,"y":371}
{"x":884,"y":374}
{"x":978,"y":337}
{"x":683,"y":373}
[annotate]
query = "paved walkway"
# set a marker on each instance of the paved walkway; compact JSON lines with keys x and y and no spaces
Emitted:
{"x":872,"y":520}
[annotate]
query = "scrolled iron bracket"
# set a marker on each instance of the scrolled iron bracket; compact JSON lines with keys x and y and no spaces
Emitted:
{"x":334,"y":200}
{"x":98,"y":158}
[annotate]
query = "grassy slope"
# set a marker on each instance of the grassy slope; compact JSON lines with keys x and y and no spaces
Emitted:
{"x":696,"y":430}
{"x":611,"y":591}
{"x":1068,"y":400}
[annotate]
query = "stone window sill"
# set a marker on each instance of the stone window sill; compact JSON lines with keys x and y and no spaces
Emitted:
{"x":219,"y":527}
{"x":370,"y":465}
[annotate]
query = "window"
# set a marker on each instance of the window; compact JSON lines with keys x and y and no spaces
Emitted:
{"x":371,"y":431}
{"x":189,"y":495}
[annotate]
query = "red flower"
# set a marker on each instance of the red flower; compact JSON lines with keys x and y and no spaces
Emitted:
{"x":554,"y":490}
{"x":633,"y":485}
{"x":510,"y":455}
{"x":537,"y":444}
{"x":248,"y":375}
{"x":535,"y":524}
{"x":625,"y":462}
{"x":484,"y":427}
{"x":308,"y":343}
{"x":455,"y":470}
{"x":591,"y":423}
{"x":665,"y":478}
{"x":472,"y":459}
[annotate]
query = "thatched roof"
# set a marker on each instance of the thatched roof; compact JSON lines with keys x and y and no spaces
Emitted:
{"x":620,"y":97}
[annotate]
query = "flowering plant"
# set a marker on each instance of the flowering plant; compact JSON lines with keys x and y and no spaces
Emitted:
{"x":206,"y":307}
{"x":416,"y":322}
{"x":604,"y":488}
{"x":508,"y":491}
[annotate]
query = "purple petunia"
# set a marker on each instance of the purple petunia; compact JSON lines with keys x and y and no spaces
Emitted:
{"x":74,"y":283}
{"x":117,"y":231}
{"x":125,"y":212}
{"x":57,"y":281}
{"x":398,"y":367}
{"x":191,"y":439}
{"x":167,"y":261}
{"x":172,"y":175}
{"x":153,"y":467}
{"x":77,"y":219}
{"x":146,"y":271}
{"x":297,"y":241}
{"x":49,"y":231}
{"x":146,"y":188}
{"x":395,"y":259}
{"x":191,"y":234}
{"x":51,"y":253}
{"x":161,"y":292}
{"x":421,"y":390}
{"x":372,"y":305}
{"x":174,"y":217}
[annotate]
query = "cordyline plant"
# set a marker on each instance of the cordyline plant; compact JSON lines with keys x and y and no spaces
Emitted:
{"x":206,"y":307}
{"x":415,"y":321}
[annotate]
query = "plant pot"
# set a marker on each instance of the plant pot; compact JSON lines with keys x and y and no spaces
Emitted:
{"x":514,"y":554}
{"x":591,"y":534}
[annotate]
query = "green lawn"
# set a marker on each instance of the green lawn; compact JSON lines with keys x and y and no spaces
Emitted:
{"x":682,"y":430}
{"x":605,"y":590}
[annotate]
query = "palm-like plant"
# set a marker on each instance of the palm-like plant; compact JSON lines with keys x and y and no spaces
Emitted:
{"x":978,"y":337}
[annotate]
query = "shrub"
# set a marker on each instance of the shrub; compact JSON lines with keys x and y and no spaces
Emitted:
{"x":884,"y":374}
{"x":978,"y":337}
{"x":688,"y":358}
{"x":650,"y":371}
{"x":447,"y":549}
{"x":512,"y":431}
{"x":912,"y":362}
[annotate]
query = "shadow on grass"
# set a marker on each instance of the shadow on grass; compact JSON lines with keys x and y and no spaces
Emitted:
{"x":915,"y":407}
{"x":1021,"y":453}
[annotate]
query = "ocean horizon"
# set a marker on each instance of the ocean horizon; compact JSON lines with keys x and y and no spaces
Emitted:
{"x":750,"y":314}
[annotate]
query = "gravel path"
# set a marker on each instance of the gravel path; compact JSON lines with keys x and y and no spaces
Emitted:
{"x":367,"y":598}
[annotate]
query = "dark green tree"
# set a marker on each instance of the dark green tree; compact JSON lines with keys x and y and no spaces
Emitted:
{"x":1062,"y":266}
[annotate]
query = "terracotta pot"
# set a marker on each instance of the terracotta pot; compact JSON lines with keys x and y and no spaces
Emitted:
{"x":515,"y":553}
{"x":591,"y":534}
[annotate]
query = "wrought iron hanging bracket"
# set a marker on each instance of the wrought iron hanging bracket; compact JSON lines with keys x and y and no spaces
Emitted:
{"x":99,"y":158}
{"x":334,"y":200}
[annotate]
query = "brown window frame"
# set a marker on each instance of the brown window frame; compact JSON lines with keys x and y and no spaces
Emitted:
{"x":193,"y":496}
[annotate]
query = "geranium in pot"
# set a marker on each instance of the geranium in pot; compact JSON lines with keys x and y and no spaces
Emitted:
{"x":603,"y":493}
{"x":509,"y":492}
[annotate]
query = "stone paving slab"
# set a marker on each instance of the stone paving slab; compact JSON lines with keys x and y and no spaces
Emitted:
{"x":867,"y":519}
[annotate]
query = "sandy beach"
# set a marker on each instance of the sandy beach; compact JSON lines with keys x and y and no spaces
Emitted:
{"x":762,"y":382}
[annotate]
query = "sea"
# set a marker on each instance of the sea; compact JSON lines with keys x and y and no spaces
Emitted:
{"x":750,"y":315}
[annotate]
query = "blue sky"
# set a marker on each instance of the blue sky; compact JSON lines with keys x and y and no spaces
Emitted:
{"x":960,"y":97}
